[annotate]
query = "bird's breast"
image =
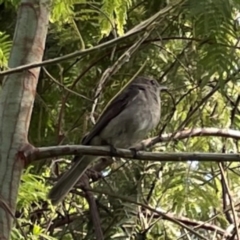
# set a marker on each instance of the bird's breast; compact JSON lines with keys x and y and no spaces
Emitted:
{"x":133,"y":123}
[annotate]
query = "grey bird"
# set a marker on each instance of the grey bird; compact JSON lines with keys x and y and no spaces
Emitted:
{"x":126,"y":121}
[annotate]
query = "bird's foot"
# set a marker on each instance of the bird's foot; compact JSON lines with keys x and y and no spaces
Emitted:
{"x":113,"y":150}
{"x":134,"y":151}
{"x":136,"y":148}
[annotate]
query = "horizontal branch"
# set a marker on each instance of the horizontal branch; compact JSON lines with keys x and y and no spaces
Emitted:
{"x":32,"y":154}
{"x":56,"y":151}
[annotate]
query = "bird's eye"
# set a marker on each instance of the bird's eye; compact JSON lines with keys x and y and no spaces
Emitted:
{"x":152,"y":82}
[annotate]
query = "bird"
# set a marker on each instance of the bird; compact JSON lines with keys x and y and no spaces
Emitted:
{"x":125,"y":122}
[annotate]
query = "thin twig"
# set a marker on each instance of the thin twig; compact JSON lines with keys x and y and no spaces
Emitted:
{"x":193,"y":110}
{"x":236,"y":223}
{"x":64,"y":87}
{"x":160,"y":213}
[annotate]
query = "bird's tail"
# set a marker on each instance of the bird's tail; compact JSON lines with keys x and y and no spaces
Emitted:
{"x":69,"y":179}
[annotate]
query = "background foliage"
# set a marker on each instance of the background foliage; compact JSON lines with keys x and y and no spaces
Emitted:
{"x":195,"y":52}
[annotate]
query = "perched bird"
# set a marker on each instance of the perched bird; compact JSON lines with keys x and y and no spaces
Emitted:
{"x":126,"y":121}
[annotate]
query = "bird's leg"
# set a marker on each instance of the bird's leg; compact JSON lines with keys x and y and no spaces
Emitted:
{"x":113,"y":150}
{"x":134,"y":152}
{"x":136,"y":148}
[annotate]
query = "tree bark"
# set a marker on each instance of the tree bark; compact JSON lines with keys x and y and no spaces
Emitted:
{"x":16,"y":103}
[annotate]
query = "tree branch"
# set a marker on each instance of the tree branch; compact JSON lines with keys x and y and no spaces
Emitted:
{"x":56,"y":151}
{"x":195,"y":132}
{"x":93,"y":210}
{"x":32,"y":154}
{"x":135,"y":30}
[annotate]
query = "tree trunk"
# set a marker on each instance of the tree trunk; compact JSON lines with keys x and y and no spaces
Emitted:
{"x":16,"y":103}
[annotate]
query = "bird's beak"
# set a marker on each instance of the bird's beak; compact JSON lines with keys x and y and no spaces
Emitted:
{"x":163,"y":88}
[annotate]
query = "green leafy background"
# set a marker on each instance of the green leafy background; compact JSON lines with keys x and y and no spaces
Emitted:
{"x":194,"y":51}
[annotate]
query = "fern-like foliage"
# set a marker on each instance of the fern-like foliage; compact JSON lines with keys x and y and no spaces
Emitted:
{"x":121,"y":8}
{"x":114,"y":14}
{"x":195,"y":47}
{"x":5,"y":46}
{"x":214,"y":22}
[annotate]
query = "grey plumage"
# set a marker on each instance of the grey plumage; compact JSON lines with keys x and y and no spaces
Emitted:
{"x":125,"y":122}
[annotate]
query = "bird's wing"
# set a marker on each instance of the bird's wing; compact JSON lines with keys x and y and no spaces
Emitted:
{"x":115,"y":107}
